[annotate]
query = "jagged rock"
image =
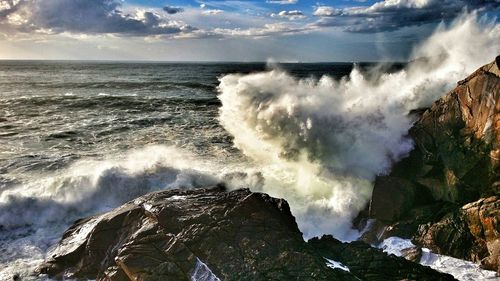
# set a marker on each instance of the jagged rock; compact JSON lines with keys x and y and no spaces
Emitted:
{"x":173,"y":235}
{"x":413,"y":254}
{"x":455,"y":161}
{"x":205,"y":234}
{"x":402,"y":196}
{"x":472,"y":233}
{"x":373,"y":264}
{"x":456,"y":155}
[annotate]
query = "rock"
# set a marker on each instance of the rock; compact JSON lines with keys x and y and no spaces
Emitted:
{"x":205,"y":234}
{"x":173,"y":235}
{"x":472,"y":232}
{"x":455,"y":162}
{"x":457,"y":150}
{"x":390,"y":208}
{"x":413,"y":254}
{"x":369,"y":263}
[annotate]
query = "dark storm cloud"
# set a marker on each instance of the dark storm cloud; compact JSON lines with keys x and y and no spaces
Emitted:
{"x":90,"y":17}
{"x":173,"y":10}
{"x":392,"y":15}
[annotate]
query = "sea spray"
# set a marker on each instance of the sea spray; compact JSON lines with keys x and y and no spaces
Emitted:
{"x":316,"y":143}
{"x":320,"y":143}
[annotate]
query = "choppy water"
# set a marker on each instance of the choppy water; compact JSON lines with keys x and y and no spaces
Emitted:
{"x":78,"y":138}
{"x":73,"y":135}
{"x":53,"y":113}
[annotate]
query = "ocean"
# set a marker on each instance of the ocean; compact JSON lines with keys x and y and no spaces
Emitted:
{"x":53,"y":113}
{"x":80,"y":138}
{"x":72,"y":134}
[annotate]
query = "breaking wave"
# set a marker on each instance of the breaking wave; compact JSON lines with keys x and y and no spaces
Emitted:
{"x":320,"y":143}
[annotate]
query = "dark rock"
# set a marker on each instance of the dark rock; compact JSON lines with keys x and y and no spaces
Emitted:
{"x":170,"y":235}
{"x":455,"y":161}
{"x":369,"y":263}
{"x":413,"y":254}
{"x":394,"y":199}
{"x":472,"y":233}
{"x":237,"y":235}
{"x":456,"y":153}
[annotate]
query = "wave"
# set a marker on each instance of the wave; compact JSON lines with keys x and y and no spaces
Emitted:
{"x":118,"y":85}
{"x":34,"y":213}
{"x":320,"y":143}
{"x":126,"y":102}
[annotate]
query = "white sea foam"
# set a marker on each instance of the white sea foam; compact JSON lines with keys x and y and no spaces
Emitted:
{"x":335,"y":264}
{"x":460,"y":269}
{"x":34,"y":215}
{"x":320,"y":143}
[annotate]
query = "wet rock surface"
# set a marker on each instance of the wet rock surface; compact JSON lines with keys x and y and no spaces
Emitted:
{"x":444,"y":195}
{"x":471,"y":232}
{"x":369,"y":263}
{"x":172,"y":235}
{"x":212,"y":234}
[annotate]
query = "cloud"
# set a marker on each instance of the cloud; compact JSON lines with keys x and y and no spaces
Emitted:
{"x":282,"y":2}
{"x":7,"y":7}
{"x":326,"y":11}
{"x":85,"y":16}
{"x":212,"y":12}
{"x":267,"y":30}
{"x":173,"y":10}
{"x":291,"y":15}
{"x":391,"y":15}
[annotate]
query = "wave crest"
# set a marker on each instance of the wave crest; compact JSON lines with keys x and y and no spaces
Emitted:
{"x":322,"y":142}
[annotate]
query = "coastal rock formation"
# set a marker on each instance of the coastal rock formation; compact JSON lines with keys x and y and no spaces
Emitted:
{"x":212,"y":234}
{"x":369,"y":263}
{"x":471,"y":232}
{"x":179,"y":234}
{"x":445,"y":193}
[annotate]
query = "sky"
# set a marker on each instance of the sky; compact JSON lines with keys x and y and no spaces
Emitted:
{"x":225,"y":30}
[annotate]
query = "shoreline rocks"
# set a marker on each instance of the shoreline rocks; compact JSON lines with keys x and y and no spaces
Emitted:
{"x":235,"y":235}
{"x":444,"y":195}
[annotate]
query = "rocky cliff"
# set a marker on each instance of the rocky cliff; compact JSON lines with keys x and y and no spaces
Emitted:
{"x":445,"y":193}
{"x":212,"y":234}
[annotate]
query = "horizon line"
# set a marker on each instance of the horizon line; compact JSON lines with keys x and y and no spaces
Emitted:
{"x":192,"y":61}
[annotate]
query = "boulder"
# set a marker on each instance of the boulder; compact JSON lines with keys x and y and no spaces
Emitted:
{"x":181,"y":234}
{"x":471,"y":232}
{"x":373,"y":264}
{"x":213,"y":234}
{"x":456,"y":154}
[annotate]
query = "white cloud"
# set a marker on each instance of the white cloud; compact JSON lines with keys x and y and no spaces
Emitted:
{"x":267,"y":30}
{"x":212,"y":12}
{"x":326,"y":11}
{"x":291,"y":15}
{"x":86,"y":17}
{"x":282,"y":2}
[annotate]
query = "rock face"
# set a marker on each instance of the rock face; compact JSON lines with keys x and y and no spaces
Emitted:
{"x":210,"y":234}
{"x":471,"y":232}
{"x":455,"y":162}
{"x":372,"y":264}
{"x":174,"y":235}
